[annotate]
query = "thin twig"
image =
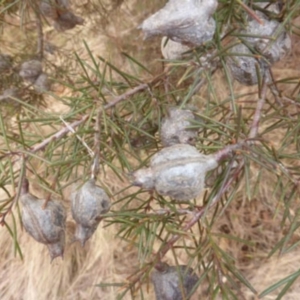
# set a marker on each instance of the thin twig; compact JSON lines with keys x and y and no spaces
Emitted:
{"x":21,"y":189}
{"x":95,"y":165}
{"x":124,"y":96}
{"x":90,"y":151}
{"x":40,"y":35}
{"x":228,"y":151}
{"x":52,"y":187}
{"x":250,"y":12}
{"x":167,"y":211}
{"x":259,"y":106}
{"x":58,"y":135}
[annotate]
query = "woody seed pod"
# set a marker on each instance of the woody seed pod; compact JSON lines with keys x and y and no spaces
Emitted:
{"x":184,"y":22}
{"x":8,"y":94}
{"x":174,"y":127}
{"x":53,"y":8}
{"x":49,"y":9}
{"x":59,"y":12}
{"x":45,"y":225}
{"x":66,"y":21}
{"x":42,"y":84}
{"x":30,"y":70}
{"x":88,"y":204}
{"x":173,"y":283}
{"x":177,"y":171}
{"x":5,"y":62}
{"x":243,"y":66}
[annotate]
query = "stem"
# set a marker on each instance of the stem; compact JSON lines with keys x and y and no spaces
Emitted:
{"x":250,"y":12}
{"x":95,"y":167}
{"x":58,"y":135}
{"x":260,"y":103}
{"x":40,"y":35}
{"x":61,"y":133}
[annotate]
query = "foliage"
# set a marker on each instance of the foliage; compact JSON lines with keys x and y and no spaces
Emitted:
{"x":53,"y":150}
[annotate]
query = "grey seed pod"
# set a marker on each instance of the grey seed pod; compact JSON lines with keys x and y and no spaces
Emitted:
{"x":88,"y":205}
{"x":173,"y":283}
{"x":46,"y":226}
{"x":177,"y":171}
{"x":172,"y":50}
{"x":53,"y":8}
{"x":184,"y":22}
{"x":242,"y":66}
{"x":5,"y":62}
{"x":273,"y":50}
{"x":42,"y":84}
{"x":49,"y":9}
{"x":63,"y":3}
{"x":66,"y":21}
{"x":174,"y":127}
{"x":8,"y":94}
{"x":30,"y":70}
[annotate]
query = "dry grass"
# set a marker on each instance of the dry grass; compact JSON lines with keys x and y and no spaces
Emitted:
{"x":106,"y":258}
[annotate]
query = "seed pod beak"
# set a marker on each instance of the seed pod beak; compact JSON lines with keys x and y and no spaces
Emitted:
{"x":82,"y":234}
{"x":55,"y":250}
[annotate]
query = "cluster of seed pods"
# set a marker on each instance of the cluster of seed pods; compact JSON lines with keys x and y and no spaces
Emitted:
{"x":178,"y":170}
{"x":45,"y":220}
{"x":60,"y":14}
{"x":45,"y":224}
{"x":32,"y":71}
{"x":262,"y":39}
{"x":173,"y":282}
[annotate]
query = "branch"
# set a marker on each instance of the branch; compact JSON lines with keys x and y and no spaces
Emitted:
{"x":40,"y":35}
{"x":259,"y":106}
{"x":250,"y":12}
{"x":124,"y":96}
{"x":75,"y":124}
{"x":64,"y":131}
{"x":58,"y":135}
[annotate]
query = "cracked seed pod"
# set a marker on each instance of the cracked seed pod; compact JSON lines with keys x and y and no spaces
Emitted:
{"x":66,"y":21}
{"x":5,"y":62}
{"x":46,"y":226}
{"x":8,"y":94}
{"x":30,"y":70}
{"x":177,"y":171}
{"x":174,"y":127}
{"x":187,"y":22}
{"x":173,"y":283}
{"x":243,"y":67}
{"x":42,"y":84}
{"x":172,"y":50}
{"x":88,"y":204}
